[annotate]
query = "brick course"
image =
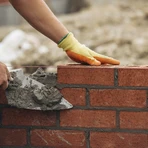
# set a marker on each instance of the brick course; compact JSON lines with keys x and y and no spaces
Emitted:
{"x":13,"y":137}
{"x":86,"y":75}
{"x":110,"y":111}
{"x":12,"y":116}
{"x":134,"y":76}
{"x":134,"y":120}
{"x":3,"y":99}
{"x":118,"y":98}
{"x":76,"y":96}
{"x":88,"y":118}
{"x":118,"y":140}
{"x":58,"y":139}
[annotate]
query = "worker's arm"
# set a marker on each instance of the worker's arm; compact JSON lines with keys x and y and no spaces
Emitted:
{"x":37,"y":13}
{"x":4,"y":76}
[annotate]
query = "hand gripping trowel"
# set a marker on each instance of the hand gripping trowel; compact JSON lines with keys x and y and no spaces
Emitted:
{"x":25,"y":92}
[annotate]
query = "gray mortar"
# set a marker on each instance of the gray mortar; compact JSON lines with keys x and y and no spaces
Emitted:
{"x":47,"y":96}
{"x":49,"y":79}
{"x":33,"y":97}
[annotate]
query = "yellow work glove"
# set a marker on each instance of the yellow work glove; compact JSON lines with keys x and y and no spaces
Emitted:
{"x":82,"y":54}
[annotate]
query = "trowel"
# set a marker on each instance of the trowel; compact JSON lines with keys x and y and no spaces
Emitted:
{"x":25,"y":92}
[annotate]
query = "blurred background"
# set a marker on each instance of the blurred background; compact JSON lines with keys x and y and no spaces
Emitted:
{"x":114,"y":28}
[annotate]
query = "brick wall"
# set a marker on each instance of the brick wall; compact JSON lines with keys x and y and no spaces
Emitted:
{"x":110,"y":111}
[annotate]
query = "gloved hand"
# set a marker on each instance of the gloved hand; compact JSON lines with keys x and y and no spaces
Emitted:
{"x":4,"y":76}
{"x":82,"y":54}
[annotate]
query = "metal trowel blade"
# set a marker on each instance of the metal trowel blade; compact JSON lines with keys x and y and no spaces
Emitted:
{"x":25,"y":81}
{"x":18,"y":93}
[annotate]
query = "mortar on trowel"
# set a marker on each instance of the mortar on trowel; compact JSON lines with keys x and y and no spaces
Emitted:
{"x":25,"y":92}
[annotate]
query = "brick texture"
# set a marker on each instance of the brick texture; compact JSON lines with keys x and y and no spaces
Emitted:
{"x":110,"y":111}
{"x":75,"y":96}
{"x":13,"y":137}
{"x":134,"y":120}
{"x":88,"y":118}
{"x":77,"y":74}
{"x":3,"y":99}
{"x":118,"y":98}
{"x":11,"y":116}
{"x":58,"y":139}
{"x":133,"y":76}
{"x":118,"y":140}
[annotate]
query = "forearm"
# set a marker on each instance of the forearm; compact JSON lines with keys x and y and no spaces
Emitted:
{"x":37,"y":13}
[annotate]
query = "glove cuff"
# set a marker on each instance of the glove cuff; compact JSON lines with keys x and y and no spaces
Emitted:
{"x":68,"y":42}
{"x":63,"y":38}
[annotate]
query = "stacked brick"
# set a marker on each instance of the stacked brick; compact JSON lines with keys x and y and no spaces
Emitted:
{"x":110,"y":111}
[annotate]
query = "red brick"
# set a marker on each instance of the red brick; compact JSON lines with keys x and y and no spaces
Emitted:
{"x":80,"y":74}
{"x":134,"y":120}
{"x":58,"y":139}
{"x":118,"y":98}
{"x":118,"y":140}
{"x":3,"y":99}
{"x":13,"y":137}
{"x":76,"y":96}
{"x":136,"y":76}
{"x":11,"y":116}
{"x":88,"y":118}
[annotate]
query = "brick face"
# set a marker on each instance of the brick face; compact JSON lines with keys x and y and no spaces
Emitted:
{"x":75,"y":96}
{"x":134,"y":120}
{"x":77,"y":74}
{"x":118,"y":140}
{"x":133,"y":76}
{"x":88,"y":118}
{"x":3,"y":99}
{"x":118,"y":98}
{"x":58,"y":139}
{"x":13,"y":137}
{"x":11,"y":116}
{"x":113,"y":114}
